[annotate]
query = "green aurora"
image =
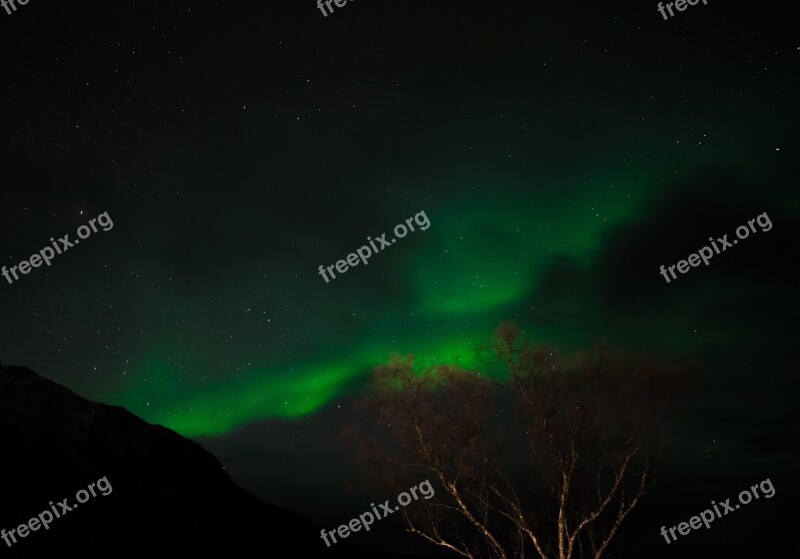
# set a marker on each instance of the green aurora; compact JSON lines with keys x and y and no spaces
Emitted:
{"x":475,"y":267}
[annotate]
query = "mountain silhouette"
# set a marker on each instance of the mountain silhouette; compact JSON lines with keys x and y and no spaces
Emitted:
{"x":167,"y":494}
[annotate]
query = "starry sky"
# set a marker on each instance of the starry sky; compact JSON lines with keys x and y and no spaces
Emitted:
{"x":561,"y":152}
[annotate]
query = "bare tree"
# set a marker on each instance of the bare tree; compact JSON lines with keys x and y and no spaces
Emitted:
{"x":546,"y":462}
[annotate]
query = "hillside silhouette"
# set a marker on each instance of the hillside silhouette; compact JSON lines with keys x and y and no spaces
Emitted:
{"x":169,"y":494}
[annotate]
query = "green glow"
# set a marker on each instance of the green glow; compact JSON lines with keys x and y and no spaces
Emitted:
{"x":477,"y":265}
{"x":265,"y":393}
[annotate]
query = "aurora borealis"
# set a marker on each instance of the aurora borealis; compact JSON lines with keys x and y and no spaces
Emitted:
{"x":561,"y":154}
{"x":451,"y":302}
{"x":451,"y":299}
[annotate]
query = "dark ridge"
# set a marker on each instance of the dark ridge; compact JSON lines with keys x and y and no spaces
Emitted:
{"x":169,"y":495}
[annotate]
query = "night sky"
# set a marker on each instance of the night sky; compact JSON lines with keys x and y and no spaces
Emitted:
{"x":561,"y":151}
